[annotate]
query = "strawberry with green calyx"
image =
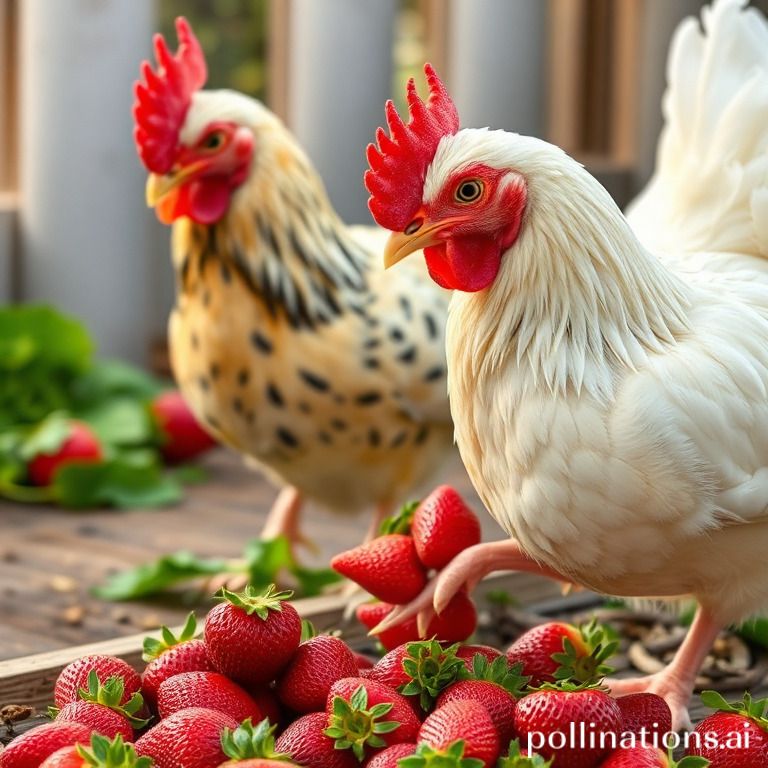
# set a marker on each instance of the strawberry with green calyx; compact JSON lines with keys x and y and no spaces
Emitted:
{"x":354,"y":726}
{"x":309,"y":747}
{"x":102,"y":753}
{"x":496,"y":685}
{"x":249,"y":741}
{"x":464,"y":720}
{"x":443,"y":526}
{"x":423,"y":668}
{"x":100,"y":709}
{"x":745,"y":719}
{"x":560,"y":651}
{"x":74,"y":677}
{"x":387,"y":567}
{"x":171,"y":655}
{"x":516,"y":758}
{"x":556,"y":708}
{"x":450,"y":757}
{"x":317,"y":664}
{"x":652,"y":757}
{"x":252,"y":636}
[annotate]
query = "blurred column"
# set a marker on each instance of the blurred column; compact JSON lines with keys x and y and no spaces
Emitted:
{"x":84,"y":225}
{"x":496,"y":63}
{"x":339,"y":76}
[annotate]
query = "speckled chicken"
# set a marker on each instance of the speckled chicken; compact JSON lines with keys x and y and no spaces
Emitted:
{"x":290,"y":342}
{"x":610,"y":401}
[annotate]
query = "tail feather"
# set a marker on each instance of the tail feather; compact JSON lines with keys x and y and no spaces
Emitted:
{"x":710,"y":188}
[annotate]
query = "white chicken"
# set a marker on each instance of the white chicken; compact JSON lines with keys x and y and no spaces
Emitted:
{"x":611,"y":406}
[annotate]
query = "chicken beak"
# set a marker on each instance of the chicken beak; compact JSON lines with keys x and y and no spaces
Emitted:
{"x":160,"y":185}
{"x":401,"y":244}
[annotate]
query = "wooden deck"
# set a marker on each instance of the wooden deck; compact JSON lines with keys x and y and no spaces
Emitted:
{"x":50,"y":558}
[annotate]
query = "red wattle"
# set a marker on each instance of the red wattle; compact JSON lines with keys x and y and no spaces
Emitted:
{"x":209,"y":199}
{"x":468,"y":263}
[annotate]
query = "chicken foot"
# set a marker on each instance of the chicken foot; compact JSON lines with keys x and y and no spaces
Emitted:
{"x":676,"y":681}
{"x":464,"y":572}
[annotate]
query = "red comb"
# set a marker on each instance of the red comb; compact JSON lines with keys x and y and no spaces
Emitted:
{"x":163,"y":97}
{"x":399,"y":163}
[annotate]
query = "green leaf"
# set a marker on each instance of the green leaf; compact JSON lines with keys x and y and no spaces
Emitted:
{"x":116,"y":483}
{"x":41,"y":353}
{"x":119,"y":421}
{"x":155,"y":577}
{"x":313,"y":581}
{"x":113,"y":378}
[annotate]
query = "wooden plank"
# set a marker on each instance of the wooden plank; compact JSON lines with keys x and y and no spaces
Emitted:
{"x":30,"y":680}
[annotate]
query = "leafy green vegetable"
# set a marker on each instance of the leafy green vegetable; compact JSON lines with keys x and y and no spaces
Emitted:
{"x":41,"y":353}
{"x":147,"y":580}
{"x":263,"y":560}
{"x":112,"y":378}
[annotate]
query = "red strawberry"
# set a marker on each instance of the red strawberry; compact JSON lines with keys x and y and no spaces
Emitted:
{"x":306,"y":743}
{"x":317,"y":665}
{"x":252,"y":636}
{"x":251,"y":745}
{"x":468,"y":653}
{"x":101,"y":753}
{"x":496,"y":685}
{"x":736,"y":736}
{"x":208,"y":690}
{"x":457,"y":621}
{"x":268,"y":703}
{"x":75,"y":676}
{"x":646,"y":711}
{"x":545,"y":719}
{"x":389,"y":757}
{"x":421,"y":669}
{"x":647,"y":757}
{"x":171,"y":656}
{"x":98,"y":718}
{"x":442,"y":526}
{"x":34,"y":746}
{"x":371,"y":614}
{"x":81,"y":446}
{"x":467,"y":721}
{"x":182,"y":436}
{"x":101,"y":710}
{"x":387,"y":567}
{"x":558,"y":651}
{"x":364,"y":714}
{"x":190,"y":738}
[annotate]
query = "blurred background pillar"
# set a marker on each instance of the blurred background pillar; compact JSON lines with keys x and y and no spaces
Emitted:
{"x":85,"y":230}
{"x":339,"y":70}
{"x":496,"y":63}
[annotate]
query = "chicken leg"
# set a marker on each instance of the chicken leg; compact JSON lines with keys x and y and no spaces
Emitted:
{"x":676,"y":681}
{"x":284,"y":517}
{"x":465,"y":571}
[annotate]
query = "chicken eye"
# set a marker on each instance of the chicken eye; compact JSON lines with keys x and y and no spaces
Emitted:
{"x":468,"y":191}
{"x":213,"y":140}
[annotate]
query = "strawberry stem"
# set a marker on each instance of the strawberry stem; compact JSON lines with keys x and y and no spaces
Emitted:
{"x":451,"y":757}
{"x":249,"y":741}
{"x":353,"y":726}
{"x":431,"y":668}
{"x":516,"y":758}
{"x":110,"y":694}
{"x":104,"y":753}
{"x":252,"y":600}
{"x":154,"y":647}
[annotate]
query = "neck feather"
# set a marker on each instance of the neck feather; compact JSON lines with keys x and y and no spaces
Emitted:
{"x":282,"y":235}
{"x":577,"y":297}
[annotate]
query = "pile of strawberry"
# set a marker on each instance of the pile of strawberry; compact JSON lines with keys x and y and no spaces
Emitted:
{"x":254,"y":694}
{"x":395,"y":567}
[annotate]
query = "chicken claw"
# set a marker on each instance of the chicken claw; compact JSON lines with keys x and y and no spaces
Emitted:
{"x":465,"y":571}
